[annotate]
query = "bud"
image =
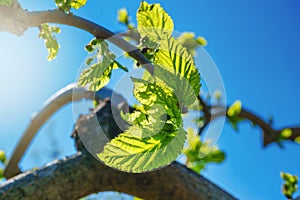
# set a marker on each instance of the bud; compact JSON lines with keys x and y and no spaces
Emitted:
{"x":2,"y":156}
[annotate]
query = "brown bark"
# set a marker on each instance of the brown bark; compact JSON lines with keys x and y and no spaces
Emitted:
{"x":81,"y":174}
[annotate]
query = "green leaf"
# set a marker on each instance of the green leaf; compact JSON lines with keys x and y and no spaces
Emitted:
{"x":199,"y":153}
{"x":78,"y":3}
{"x":173,"y":58}
{"x":130,"y":153}
{"x":234,"y":109}
{"x":233,"y":112}
{"x":97,"y":75}
{"x":150,"y":94}
{"x":46,"y":32}
{"x":5,"y":2}
{"x":153,"y":21}
{"x":101,"y":65}
{"x":66,"y":5}
{"x":290,"y":185}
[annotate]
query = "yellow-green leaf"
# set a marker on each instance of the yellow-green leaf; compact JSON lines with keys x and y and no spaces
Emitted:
{"x":47,"y":33}
{"x":234,"y":109}
{"x":134,"y":154}
{"x":153,"y":21}
{"x":78,"y":3}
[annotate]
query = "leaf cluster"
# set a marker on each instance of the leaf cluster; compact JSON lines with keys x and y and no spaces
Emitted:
{"x":290,"y":185}
{"x":67,"y":5}
{"x":199,"y":153}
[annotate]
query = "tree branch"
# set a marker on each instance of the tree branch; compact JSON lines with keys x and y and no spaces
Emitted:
{"x":270,"y":134}
{"x":55,"y":102}
{"x":81,"y":175}
{"x":17,"y":21}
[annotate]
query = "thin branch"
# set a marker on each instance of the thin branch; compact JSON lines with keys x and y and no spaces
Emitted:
{"x":17,"y":21}
{"x":55,"y":102}
{"x":270,"y":134}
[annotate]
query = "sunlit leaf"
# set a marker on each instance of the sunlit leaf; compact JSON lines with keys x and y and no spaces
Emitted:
{"x":232,"y":114}
{"x":199,"y":153}
{"x":66,"y":5}
{"x":101,"y":65}
{"x":177,"y":69}
{"x":290,"y":185}
{"x":78,"y":3}
{"x":235,"y":108}
{"x":153,"y":21}
{"x":134,"y":154}
{"x":47,"y":33}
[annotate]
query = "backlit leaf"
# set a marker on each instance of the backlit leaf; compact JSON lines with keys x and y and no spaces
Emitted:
{"x":153,"y":21}
{"x":134,"y":154}
{"x":47,"y":33}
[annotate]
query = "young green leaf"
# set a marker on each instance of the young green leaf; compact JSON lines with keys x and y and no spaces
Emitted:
{"x":153,"y":21}
{"x":233,"y":112}
{"x":99,"y":72}
{"x":78,"y":3}
{"x":172,"y":57}
{"x":199,"y":153}
{"x":150,"y":94}
{"x":47,"y":33}
{"x":66,"y":5}
{"x":290,"y":185}
{"x":130,"y":153}
{"x":97,"y":75}
{"x":5,"y":2}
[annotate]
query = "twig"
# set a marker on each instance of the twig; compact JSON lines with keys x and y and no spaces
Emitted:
{"x":270,"y":134}
{"x":62,"y":97}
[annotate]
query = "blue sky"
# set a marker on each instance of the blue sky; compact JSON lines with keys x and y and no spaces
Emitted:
{"x":255,"y":45}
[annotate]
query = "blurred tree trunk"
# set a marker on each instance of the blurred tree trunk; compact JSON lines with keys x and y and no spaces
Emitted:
{"x":82,"y":174}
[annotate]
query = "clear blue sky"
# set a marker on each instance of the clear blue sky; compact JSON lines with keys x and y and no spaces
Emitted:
{"x":255,"y":44}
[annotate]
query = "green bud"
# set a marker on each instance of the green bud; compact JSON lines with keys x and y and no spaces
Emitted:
{"x":123,"y":16}
{"x":202,"y":41}
{"x":89,"y":48}
{"x":286,"y":133}
{"x":2,"y":156}
{"x":217,"y":95}
{"x":297,"y":139}
{"x":234,"y":109}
